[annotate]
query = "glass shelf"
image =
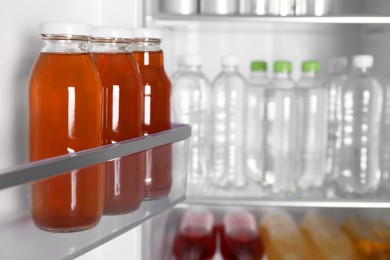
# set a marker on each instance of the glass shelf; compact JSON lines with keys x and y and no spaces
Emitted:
{"x":177,"y":20}
{"x":20,"y":238}
{"x":253,"y":195}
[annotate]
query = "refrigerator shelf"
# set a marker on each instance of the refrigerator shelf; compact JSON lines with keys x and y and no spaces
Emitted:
{"x":41,"y":169}
{"x":177,"y":20}
{"x":252,"y":195}
{"x":20,"y":238}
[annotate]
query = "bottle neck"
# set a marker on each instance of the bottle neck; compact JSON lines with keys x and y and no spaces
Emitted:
{"x":192,"y":68}
{"x":148,"y":53}
{"x":361,"y":71}
{"x":229,"y":68}
{"x":65,"y":44}
{"x":258,"y":73}
{"x":144,"y":45}
{"x":111,"y":46}
{"x":282,"y":75}
{"x":310,"y":74}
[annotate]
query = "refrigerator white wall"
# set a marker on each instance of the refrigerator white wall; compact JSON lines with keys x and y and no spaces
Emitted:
{"x":20,"y":43}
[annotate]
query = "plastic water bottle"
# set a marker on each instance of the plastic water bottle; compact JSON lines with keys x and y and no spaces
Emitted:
{"x":359,"y":171}
{"x":337,"y":68}
{"x":191,"y":105}
{"x":228,"y":144}
{"x":280,"y":131}
{"x":257,"y":83}
{"x":311,"y":126}
{"x":385,"y":137}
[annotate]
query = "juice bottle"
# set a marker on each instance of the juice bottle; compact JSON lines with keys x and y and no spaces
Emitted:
{"x":239,"y":237}
{"x":324,"y":239}
{"x":65,"y":117}
{"x":281,"y":237}
{"x":196,"y":238}
{"x":371,"y":238}
{"x":122,"y":116}
{"x":157,"y":102}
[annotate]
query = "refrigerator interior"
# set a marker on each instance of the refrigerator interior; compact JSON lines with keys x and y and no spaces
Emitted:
{"x":212,"y":39}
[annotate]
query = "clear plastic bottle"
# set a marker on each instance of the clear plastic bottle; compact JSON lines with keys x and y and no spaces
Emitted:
{"x":280,"y":131}
{"x":311,"y":126}
{"x":257,"y":83}
{"x":191,"y":105}
{"x":385,"y":138}
{"x":337,"y":68}
{"x":359,"y":171}
{"x":228,"y":111}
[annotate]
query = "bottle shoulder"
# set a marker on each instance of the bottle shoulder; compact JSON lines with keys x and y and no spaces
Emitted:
{"x":229,"y":77}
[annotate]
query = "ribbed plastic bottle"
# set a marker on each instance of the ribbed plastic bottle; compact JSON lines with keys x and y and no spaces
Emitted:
{"x":257,"y":83}
{"x":337,"y":68}
{"x":191,"y":103}
{"x":228,"y":138}
{"x":311,"y":127}
{"x":280,"y":131}
{"x":359,"y":171}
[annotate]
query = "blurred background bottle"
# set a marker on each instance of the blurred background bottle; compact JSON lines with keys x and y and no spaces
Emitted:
{"x":385,"y":137}
{"x":280,"y":131}
{"x":257,"y":83}
{"x":359,"y":171}
{"x":191,"y":105}
{"x":228,"y":109}
{"x":311,"y":127}
{"x":337,"y":68}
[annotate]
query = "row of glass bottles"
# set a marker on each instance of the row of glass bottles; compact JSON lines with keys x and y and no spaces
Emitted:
{"x":285,"y":136}
{"x":83,"y":97}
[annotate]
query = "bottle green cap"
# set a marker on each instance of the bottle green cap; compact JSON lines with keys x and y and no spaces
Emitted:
{"x":310,"y":66}
{"x":282,"y":66}
{"x":258,"y":65}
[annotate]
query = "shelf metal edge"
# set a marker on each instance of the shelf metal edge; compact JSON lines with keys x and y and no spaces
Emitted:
{"x":57,"y":165}
{"x":175,"y":19}
{"x":251,"y":202}
{"x":124,"y":230}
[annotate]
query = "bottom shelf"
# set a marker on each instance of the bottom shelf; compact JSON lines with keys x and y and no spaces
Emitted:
{"x":21,"y":239}
{"x":349,"y":226}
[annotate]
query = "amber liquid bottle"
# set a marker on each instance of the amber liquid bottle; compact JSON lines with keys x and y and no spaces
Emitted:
{"x":122,"y":117}
{"x":157,"y":102}
{"x":65,"y":117}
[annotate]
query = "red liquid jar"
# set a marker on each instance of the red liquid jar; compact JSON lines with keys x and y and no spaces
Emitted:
{"x":123,"y":116}
{"x":239,"y":237}
{"x":157,"y":108}
{"x":65,"y":117}
{"x":196,"y":237}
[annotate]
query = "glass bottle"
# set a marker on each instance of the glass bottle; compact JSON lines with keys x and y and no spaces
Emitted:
{"x":311,"y":127}
{"x":122,"y":116}
{"x":228,"y":138}
{"x":359,"y":171}
{"x":191,"y":105}
{"x":385,"y":138}
{"x":157,"y":101}
{"x":280,"y":131}
{"x":239,"y":237}
{"x":65,"y":117}
{"x":257,"y":83}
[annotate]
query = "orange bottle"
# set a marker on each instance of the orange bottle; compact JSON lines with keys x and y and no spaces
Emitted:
{"x":122,"y":116}
{"x":157,"y":102}
{"x":65,"y":117}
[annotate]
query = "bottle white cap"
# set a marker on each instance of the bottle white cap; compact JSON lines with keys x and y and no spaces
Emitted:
{"x":363,"y":61}
{"x":146,"y":33}
{"x":80,"y":29}
{"x":193,"y":59}
{"x":112,"y":32}
{"x":229,"y":60}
